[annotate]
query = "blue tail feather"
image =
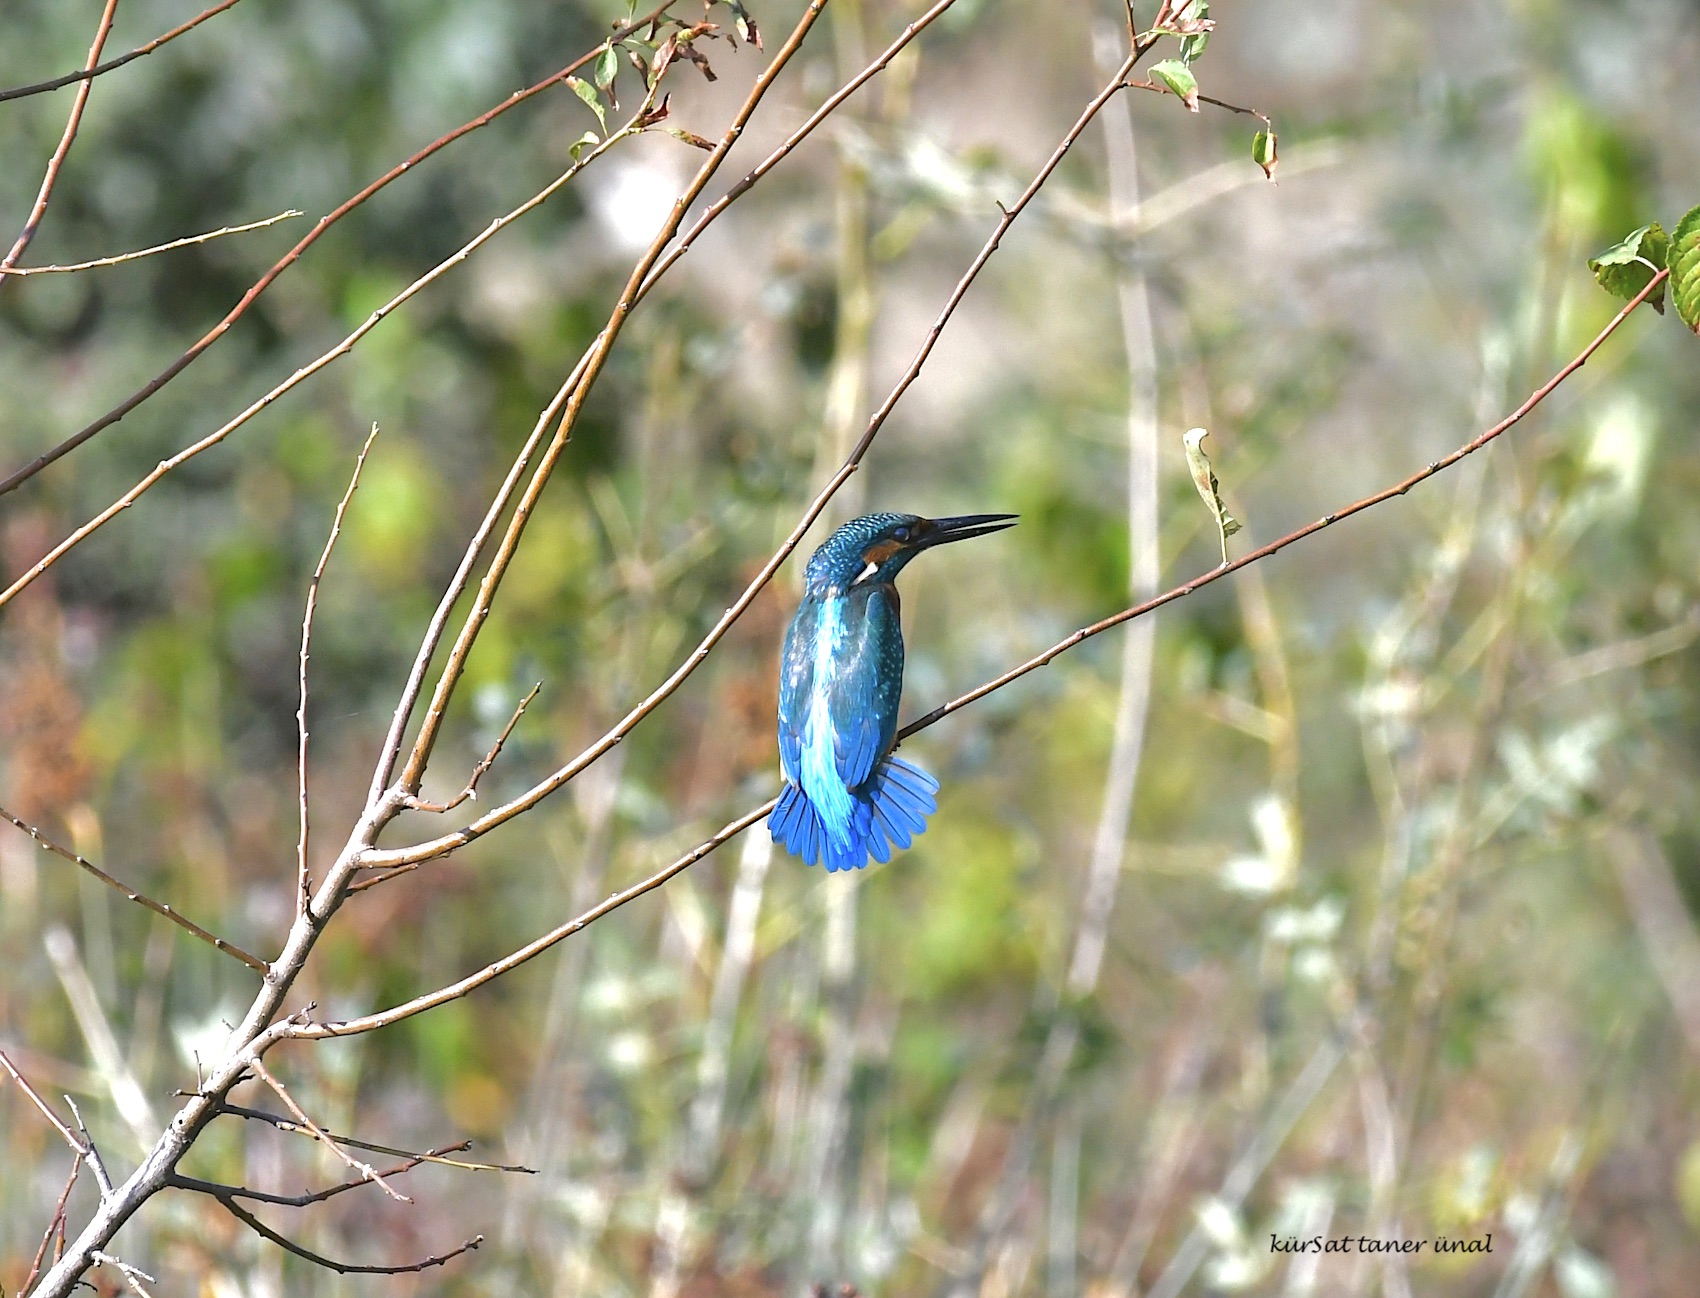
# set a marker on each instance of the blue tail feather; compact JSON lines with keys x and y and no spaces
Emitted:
{"x":887,"y":811}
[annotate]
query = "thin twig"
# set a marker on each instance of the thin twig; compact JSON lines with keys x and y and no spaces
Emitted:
{"x":96,"y":1163}
{"x":306,"y":371}
{"x":159,"y":908}
{"x":45,"y":194}
{"x":54,"y":1227}
{"x":449,"y":842}
{"x":285,"y":1124}
{"x":457,"y":585}
{"x":77,"y":1147}
{"x":89,"y":73}
{"x":365,"y":1170}
{"x":260,"y":285}
{"x":260,"y":1228}
{"x":303,"y":891}
{"x":219,"y":1190}
{"x":569,"y":401}
{"x":371,"y":1022}
{"x":478,"y":771}
{"x":133,"y":1274}
{"x":21,"y":271}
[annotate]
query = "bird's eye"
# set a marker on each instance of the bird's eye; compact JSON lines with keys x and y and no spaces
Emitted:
{"x":901,"y":534}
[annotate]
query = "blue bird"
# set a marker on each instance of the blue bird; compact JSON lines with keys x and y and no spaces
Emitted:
{"x":841,"y":677}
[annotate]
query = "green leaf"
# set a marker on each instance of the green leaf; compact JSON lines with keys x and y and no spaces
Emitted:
{"x":589,"y":140}
{"x":1175,"y":75}
{"x":1209,"y":490}
{"x":1263,"y":152}
{"x":1193,"y":20}
{"x":590,"y":97}
{"x":1684,"y":263}
{"x":607,"y":65}
{"x":1623,"y":270}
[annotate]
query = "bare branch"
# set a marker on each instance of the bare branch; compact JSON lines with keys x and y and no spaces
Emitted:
{"x":132,"y":1275}
{"x":307,"y":371}
{"x":371,"y":1022}
{"x":285,"y":1124}
{"x":96,"y":1164}
{"x":366,"y":1171}
{"x":471,"y":790}
{"x":159,"y":908}
{"x":218,"y":1190}
{"x":78,"y":1148}
{"x":498,"y":506}
{"x":568,"y":401}
{"x":88,"y":73}
{"x":55,"y":1227}
{"x":21,"y":271}
{"x":45,"y":194}
{"x":260,"y":1228}
{"x":303,"y":891}
{"x":289,"y":258}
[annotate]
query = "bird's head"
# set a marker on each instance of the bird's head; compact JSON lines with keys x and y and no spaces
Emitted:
{"x":872,"y":549}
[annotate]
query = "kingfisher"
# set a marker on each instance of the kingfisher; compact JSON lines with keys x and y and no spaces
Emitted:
{"x":841,"y":677}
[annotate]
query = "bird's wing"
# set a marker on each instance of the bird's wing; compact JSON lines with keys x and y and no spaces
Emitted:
{"x":796,"y":682}
{"x":867,"y":686}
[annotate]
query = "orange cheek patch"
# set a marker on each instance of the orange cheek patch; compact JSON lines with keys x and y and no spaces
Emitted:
{"x":880,"y":551}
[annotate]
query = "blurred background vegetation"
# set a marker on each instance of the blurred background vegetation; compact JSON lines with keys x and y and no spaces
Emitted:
{"x":1402,"y":938}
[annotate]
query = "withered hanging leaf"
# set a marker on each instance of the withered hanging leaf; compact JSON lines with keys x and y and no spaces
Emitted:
{"x":697,"y":57}
{"x":1684,"y":263}
{"x":746,"y":25}
{"x":1209,"y":490}
{"x":1623,"y":270}
{"x":1263,"y":152}
{"x":691,"y":138}
{"x":1178,"y":78}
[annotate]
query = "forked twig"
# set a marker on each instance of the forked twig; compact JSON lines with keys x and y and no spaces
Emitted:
{"x":289,"y":258}
{"x":260,"y":1228}
{"x":88,"y":73}
{"x":471,"y":790}
{"x":303,"y":890}
{"x":45,"y":194}
{"x":365,"y":1170}
{"x":218,"y":1190}
{"x":159,"y":908}
{"x":20,"y":271}
{"x":133,"y":1275}
{"x":285,"y":1124}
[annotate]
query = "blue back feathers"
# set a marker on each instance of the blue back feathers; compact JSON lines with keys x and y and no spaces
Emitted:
{"x":841,"y":679}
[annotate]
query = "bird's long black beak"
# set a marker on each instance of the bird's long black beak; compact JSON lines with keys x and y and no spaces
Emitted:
{"x":942,"y":531}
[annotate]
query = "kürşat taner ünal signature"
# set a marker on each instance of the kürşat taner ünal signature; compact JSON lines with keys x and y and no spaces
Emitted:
{"x":1364,"y":1244}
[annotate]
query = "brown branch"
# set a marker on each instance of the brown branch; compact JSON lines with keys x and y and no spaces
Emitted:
{"x":260,"y":1228}
{"x":432,"y":638}
{"x":45,"y":194}
{"x":218,"y":1190}
{"x":285,"y":1124}
{"x":449,"y":842}
{"x":342,"y":349}
{"x":56,"y":1227}
{"x":568,"y":401}
{"x":303,"y":890}
{"x":1281,"y":543}
{"x":188,"y":925}
{"x":371,"y":1022}
{"x":21,"y":271}
{"x":89,"y":73}
{"x":77,"y":1147}
{"x":325,"y":222}
{"x":454,"y":991}
{"x":365,"y":1170}
{"x":471,"y":790}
